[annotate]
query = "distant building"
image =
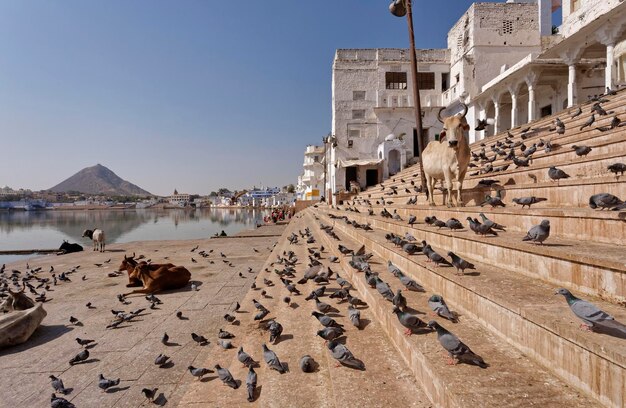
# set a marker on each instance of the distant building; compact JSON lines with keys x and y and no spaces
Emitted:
{"x":311,"y":182}
{"x":178,"y":199}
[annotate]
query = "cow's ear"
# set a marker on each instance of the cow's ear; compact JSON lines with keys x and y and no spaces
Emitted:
{"x":466,"y":126}
{"x":442,"y":135}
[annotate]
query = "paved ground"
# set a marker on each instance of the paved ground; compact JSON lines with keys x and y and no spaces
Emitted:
{"x":129,"y":351}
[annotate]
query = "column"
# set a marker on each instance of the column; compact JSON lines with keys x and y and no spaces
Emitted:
{"x":514,"y":111}
{"x":531,"y":82}
{"x":608,"y":35}
{"x":496,"y":125}
{"x":482,"y":114}
{"x":608,"y":72}
{"x":571,"y":85}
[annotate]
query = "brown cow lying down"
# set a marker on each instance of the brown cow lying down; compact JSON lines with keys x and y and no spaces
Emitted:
{"x":156,"y":280}
{"x":129,"y":264}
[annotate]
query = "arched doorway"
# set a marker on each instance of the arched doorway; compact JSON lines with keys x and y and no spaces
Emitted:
{"x":393,"y":162}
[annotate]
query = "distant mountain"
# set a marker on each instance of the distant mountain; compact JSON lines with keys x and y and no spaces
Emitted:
{"x":98,"y":180}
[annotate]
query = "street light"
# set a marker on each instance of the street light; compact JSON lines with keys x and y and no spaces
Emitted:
{"x":400,"y":8}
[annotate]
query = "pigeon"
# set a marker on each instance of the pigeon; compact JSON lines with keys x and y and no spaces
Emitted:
{"x":165,"y":339}
{"x":593,"y":317}
{"x":589,"y":122}
{"x":384,"y":289}
{"x":229,"y":318}
{"x":603,"y":201}
{"x":494,"y":201}
{"x":57,"y":385}
{"x":582,"y":150}
{"x":251,"y":380}
{"x":82,"y":356}
{"x":272,"y":360}
{"x":459,"y":263}
{"x":399,"y":300}
{"x":198,"y":372}
{"x":261,"y":315}
{"x":75,"y":321}
{"x":244,"y":358}
{"x":226,"y":377}
{"x":528,"y":201}
{"x":223,"y":334}
{"x":435,"y":257}
{"x":344,"y":356}
{"x":225,"y":344}
{"x":490,"y":224}
{"x":538,"y":233}
{"x":105,"y":383}
{"x":307,"y":364}
{"x":161,"y":360}
{"x":83,"y":342}
{"x":578,"y":112}
{"x":412,"y":219}
{"x":60,"y":402}
{"x":201,"y":340}
{"x":324,"y":307}
{"x":355,"y":316}
{"x":557,"y":174}
{"x":275,"y":329}
{"x":454,"y":224}
{"x":617,"y":168}
{"x":455,"y":347}
{"x":408,"y":320}
{"x":330,"y":333}
{"x":325,"y":320}
{"x":439,"y":306}
{"x":149,"y":393}
{"x":409,"y":283}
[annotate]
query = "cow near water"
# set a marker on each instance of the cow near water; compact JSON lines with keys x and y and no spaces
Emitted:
{"x":448,"y":158}
{"x":67,"y":248}
{"x":97,"y":236}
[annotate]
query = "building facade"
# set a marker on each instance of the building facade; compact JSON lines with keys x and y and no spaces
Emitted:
{"x":311,"y":181}
{"x":507,"y":61}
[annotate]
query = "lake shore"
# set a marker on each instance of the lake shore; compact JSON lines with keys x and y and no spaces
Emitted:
{"x":128,"y":352}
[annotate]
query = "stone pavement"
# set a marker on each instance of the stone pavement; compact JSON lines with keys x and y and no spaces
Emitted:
{"x":128,"y":352}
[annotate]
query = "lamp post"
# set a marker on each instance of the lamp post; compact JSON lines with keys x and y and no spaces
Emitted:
{"x":400,"y":8}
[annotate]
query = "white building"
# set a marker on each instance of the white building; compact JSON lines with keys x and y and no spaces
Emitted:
{"x":503,"y":61}
{"x":178,"y":199}
{"x":311,"y":181}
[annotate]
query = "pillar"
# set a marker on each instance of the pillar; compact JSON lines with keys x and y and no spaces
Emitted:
{"x":514,"y":109}
{"x":608,"y":72}
{"x":496,"y":125}
{"x":531,"y":80}
{"x":571,"y":85}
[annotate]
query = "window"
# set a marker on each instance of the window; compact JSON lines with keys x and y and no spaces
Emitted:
{"x":316,"y":159}
{"x":458,"y":78}
{"x":546,"y":111}
{"x":575,"y":5}
{"x":358,"y":95}
{"x":395,"y":80}
{"x":350,"y":143}
{"x":507,"y":27}
{"x":445,"y":81}
{"x":358,"y":114}
{"x":426,"y":80}
{"x":354,"y":133}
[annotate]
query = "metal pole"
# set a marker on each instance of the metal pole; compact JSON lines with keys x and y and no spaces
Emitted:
{"x":416,"y":93}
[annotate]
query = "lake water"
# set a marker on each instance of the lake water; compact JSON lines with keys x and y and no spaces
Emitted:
{"x":48,"y":229}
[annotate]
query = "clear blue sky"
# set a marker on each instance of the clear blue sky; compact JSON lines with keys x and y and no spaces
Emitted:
{"x":193,"y":94}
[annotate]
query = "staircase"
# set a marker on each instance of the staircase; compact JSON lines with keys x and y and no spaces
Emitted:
{"x":538,"y":356}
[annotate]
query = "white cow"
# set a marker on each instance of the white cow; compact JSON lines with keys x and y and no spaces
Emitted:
{"x":448,"y":158}
{"x":97,"y":236}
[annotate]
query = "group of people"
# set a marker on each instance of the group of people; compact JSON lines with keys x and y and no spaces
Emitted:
{"x":277,"y":214}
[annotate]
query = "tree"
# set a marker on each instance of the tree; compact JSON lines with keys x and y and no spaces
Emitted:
{"x":291,"y":188}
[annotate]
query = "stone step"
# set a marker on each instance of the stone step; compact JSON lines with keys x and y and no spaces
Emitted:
{"x":585,"y":267}
{"x":384,"y":383}
{"x":512,"y":378}
{"x":570,"y":223}
{"x":571,"y":192}
{"x":524,"y":312}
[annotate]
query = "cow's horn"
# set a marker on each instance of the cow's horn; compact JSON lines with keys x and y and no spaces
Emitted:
{"x":439,"y":115}
{"x":464,"y":110}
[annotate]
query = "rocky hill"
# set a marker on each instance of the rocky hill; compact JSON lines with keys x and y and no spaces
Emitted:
{"x":98,"y":180}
